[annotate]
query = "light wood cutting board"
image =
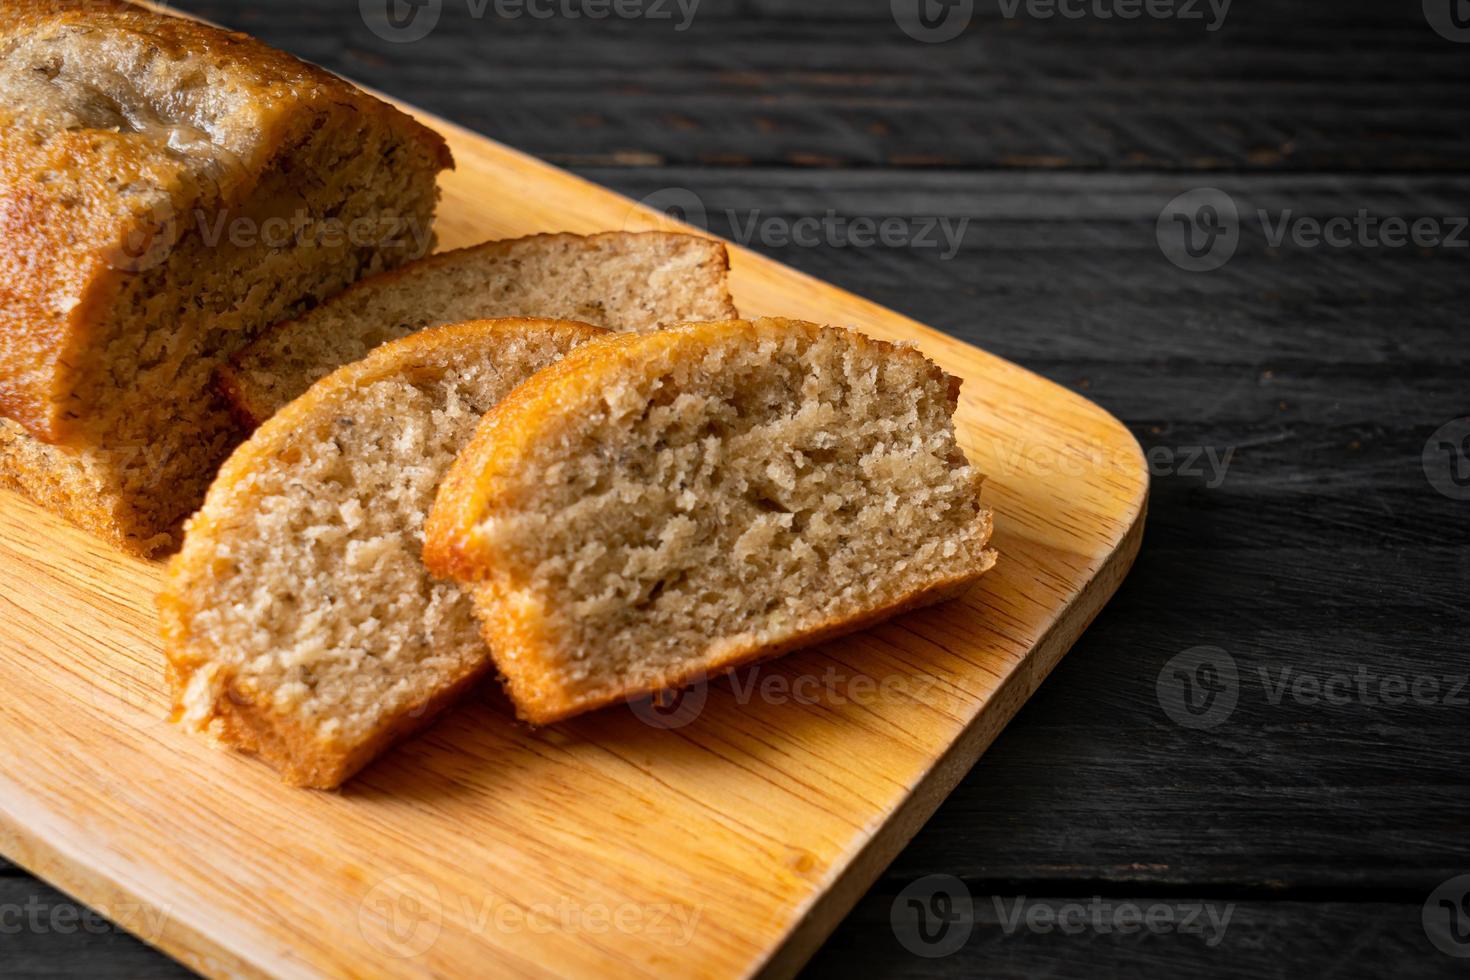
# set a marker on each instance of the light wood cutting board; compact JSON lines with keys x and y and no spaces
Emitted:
{"x":727,"y":846}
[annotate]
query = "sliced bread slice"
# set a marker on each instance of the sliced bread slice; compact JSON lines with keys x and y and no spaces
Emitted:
{"x":618,"y":280}
{"x":659,"y":507}
{"x":298,"y":620}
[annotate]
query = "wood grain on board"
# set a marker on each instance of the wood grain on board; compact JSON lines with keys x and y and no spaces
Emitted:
{"x":730,"y":845}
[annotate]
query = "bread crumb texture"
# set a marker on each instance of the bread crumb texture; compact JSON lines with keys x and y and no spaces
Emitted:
{"x":659,"y":507}
{"x":299,"y":619}
{"x":618,"y":280}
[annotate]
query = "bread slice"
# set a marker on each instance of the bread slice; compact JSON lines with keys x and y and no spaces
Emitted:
{"x":168,"y":190}
{"x":618,"y":280}
{"x":298,"y":620}
{"x":660,"y":507}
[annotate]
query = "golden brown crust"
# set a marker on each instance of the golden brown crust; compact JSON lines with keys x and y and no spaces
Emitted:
{"x":541,"y":704}
{"x":294,"y":751}
{"x":249,"y":406}
{"x":237,"y":717}
{"x":34,"y":469}
{"x":484,"y":476}
{"x":120,"y":187}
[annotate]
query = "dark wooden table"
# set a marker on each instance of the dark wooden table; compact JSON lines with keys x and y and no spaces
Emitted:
{"x":1311,"y":518}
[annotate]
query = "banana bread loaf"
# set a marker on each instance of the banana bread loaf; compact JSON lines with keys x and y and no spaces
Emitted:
{"x":167,"y":190}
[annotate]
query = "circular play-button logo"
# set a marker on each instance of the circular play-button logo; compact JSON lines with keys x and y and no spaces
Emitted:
{"x":1199,"y":688}
{"x":401,"y":21}
{"x":1449,"y":18}
{"x":933,"y":21}
{"x":1199,"y":230}
{"x":933,"y":916}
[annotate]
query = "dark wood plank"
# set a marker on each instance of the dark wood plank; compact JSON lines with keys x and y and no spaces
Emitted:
{"x":1068,"y":267}
{"x":1370,"y":939}
{"x":1294,"y":86}
{"x":44,"y":933}
{"x":1096,"y":784}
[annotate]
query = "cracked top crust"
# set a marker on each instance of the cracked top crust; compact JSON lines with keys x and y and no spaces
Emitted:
{"x":114,"y":122}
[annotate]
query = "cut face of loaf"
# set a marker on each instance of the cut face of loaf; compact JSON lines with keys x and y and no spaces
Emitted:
{"x":618,"y":280}
{"x":168,"y":190}
{"x":660,"y":507}
{"x":298,"y":620}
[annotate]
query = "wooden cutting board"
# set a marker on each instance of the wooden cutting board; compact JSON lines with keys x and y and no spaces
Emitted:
{"x":725,"y":836}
